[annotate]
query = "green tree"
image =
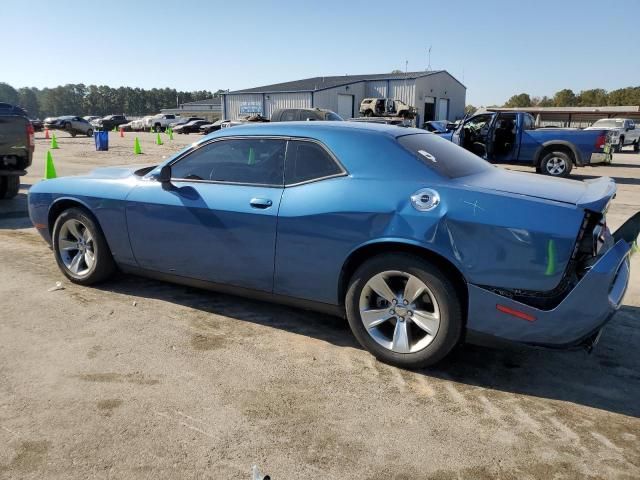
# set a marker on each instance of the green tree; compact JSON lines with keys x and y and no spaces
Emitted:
{"x":565,"y":98}
{"x":592,"y":98}
{"x":28,"y":99}
{"x":519,"y":101}
{"x":470,"y":110}
{"x":8,"y":94}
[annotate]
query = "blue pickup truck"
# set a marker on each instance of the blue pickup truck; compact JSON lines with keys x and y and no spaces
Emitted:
{"x":512,"y":137}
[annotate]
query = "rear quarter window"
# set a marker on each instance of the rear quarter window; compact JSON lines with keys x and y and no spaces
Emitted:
{"x":443,"y":156}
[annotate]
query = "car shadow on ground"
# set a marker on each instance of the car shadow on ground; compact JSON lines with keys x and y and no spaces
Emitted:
{"x":14,"y":213}
{"x":618,"y":180}
{"x":607,"y":379}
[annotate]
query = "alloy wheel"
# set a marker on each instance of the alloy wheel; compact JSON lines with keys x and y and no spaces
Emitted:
{"x":556,"y":166}
{"x":399,"y":311}
{"x":76,"y":247}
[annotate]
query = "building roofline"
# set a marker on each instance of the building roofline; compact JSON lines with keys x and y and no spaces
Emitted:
{"x":363,"y":78}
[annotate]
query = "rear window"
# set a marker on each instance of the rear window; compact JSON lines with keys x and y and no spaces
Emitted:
{"x":334,"y":117}
{"x":443,"y":156}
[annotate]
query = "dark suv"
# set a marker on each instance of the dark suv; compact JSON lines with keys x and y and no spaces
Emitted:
{"x":303,"y":114}
{"x":110,"y":121}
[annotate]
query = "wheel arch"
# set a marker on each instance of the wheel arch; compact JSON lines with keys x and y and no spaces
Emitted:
{"x":558,"y":146}
{"x":369,"y":250}
{"x":64,"y":203}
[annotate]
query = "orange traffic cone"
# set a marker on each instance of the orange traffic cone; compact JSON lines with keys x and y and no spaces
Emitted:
{"x":122,"y":132}
{"x":46,"y":133}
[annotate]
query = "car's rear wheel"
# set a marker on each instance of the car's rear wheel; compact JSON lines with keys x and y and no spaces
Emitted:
{"x":404,"y":310}
{"x":556,"y":164}
{"x":9,"y":186}
{"x":636,"y":146}
{"x":80,"y":248}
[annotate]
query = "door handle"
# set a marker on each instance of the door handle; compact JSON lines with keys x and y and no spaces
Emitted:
{"x":260,"y":203}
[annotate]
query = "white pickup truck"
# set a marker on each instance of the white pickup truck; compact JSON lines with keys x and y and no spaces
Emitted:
{"x":623,"y":132}
{"x":160,"y":121}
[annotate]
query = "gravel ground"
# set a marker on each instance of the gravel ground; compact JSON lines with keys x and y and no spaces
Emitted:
{"x":143,"y":379}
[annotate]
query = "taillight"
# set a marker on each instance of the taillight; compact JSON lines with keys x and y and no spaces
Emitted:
{"x":601,"y":141}
{"x":30,"y":132}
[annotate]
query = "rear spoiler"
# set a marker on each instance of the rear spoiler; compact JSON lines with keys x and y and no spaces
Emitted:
{"x":600,"y":191}
{"x":629,"y":231}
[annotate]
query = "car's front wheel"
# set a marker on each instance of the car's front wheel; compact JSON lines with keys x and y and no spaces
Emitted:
{"x":9,"y":186}
{"x":90,"y":133}
{"x":556,"y":164}
{"x":80,"y":248}
{"x":404,"y":310}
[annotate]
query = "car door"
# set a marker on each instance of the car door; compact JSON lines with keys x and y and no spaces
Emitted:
{"x":216,"y":219}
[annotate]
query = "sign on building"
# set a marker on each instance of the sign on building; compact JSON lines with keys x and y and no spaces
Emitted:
{"x":250,"y":108}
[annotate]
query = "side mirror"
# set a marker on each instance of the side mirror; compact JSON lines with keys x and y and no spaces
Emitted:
{"x":165,"y":174}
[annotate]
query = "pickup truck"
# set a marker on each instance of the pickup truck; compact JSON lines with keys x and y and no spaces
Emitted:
{"x":511,"y":137}
{"x":16,"y":148}
{"x":160,"y":121}
{"x":623,"y":132}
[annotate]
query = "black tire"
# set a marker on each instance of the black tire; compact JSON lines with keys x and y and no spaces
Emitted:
{"x":158,"y":128}
{"x":547,"y":168}
{"x":90,"y":133}
{"x":73,"y":133}
{"x":636,"y":146}
{"x":620,"y":145}
{"x":9,"y":186}
{"x":67,"y":127}
{"x":103,"y":266}
{"x":451,"y":318}
{"x":368,"y":113}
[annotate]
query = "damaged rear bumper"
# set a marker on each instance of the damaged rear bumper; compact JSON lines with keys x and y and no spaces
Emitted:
{"x":582,"y":313}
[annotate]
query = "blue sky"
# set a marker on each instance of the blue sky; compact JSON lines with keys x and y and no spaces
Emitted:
{"x":497,"y":47}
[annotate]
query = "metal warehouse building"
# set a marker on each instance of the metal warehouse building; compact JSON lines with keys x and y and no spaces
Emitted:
{"x":437,"y":95}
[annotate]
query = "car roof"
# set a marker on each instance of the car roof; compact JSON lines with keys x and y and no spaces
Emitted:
{"x":311,"y":129}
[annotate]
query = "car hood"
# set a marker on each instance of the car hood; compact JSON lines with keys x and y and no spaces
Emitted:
{"x":116,"y":172}
{"x":589,"y":194}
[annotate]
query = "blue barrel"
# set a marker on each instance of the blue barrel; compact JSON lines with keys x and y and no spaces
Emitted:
{"x":102,"y":140}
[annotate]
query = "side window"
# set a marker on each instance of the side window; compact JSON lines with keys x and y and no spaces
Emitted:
{"x":288,"y":116}
{"x":253,"y":161}
{"x":308,"y":161}
{"x":527,"y":122}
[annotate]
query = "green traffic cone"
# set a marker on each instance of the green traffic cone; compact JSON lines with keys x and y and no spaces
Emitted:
{"x":54,"y":142}
{"x":171,"y":134}
{"x":136,"y":147}
{"x":158,"y":140}
{"x":49,"y":168}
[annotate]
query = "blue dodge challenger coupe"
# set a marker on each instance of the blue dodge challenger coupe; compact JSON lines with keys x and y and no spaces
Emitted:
{"x":418,"y":242}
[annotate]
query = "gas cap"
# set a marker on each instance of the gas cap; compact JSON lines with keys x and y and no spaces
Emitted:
{"x":425,"y":199}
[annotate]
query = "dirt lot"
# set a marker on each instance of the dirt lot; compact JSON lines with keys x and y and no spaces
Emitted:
{"x":141,"y":379}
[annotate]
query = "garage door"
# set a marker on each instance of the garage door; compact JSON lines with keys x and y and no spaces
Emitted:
{"x":345,"y":106}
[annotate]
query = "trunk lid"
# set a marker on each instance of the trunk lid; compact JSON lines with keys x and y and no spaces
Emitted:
{"x":588,"y":194}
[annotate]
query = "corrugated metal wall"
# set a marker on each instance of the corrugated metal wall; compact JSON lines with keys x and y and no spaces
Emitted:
{"x":377,"y":89}
{"x":329,"y":98}
{"x":234,"y":102}
{"x":404,"y":90}
{"x":274,"y":101}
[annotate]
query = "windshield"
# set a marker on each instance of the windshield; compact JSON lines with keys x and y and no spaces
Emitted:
{"x":334,"y":117}
{"x":609,"y":123}
{"x":443,"y":156}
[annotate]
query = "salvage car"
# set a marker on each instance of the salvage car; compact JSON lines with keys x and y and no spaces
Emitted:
{"x":386,"y":107}
{"x":69,"y":123}
{"x":623,"y":132}
{"x":512,"y":137}
{"x":110,"y":122}
{"x":419,"y":243}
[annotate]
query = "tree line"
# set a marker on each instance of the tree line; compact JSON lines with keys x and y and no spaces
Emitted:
{"x":596,"y":97}
{"x":79,"y":99}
